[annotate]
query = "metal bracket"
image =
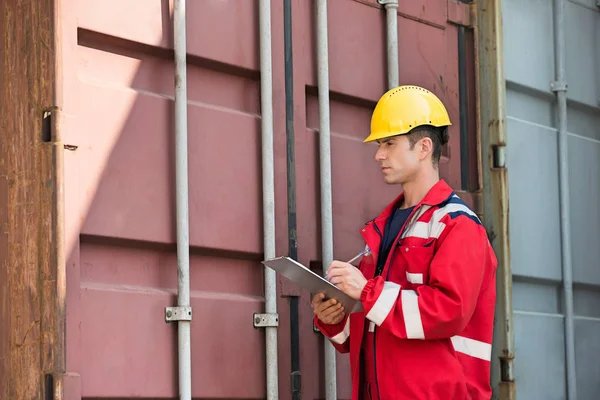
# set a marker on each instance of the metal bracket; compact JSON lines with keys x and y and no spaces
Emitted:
{"x":559,"y":86}
{"x":392,"y":2}
{"x":266,"y":320}
{"x":173,"y":314}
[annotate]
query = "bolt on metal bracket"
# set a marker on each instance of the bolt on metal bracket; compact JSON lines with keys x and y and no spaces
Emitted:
{"x":558,"y":86}
{"x":173,"y":314}
{"x":266,"y":320}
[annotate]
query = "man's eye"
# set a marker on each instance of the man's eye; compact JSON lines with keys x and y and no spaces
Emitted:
{"x":389,"y":144}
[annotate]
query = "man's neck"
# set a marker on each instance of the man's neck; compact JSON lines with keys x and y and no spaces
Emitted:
{"x":416,"y":189}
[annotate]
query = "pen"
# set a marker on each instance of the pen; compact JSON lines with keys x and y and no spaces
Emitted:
{"x":362,"y":253}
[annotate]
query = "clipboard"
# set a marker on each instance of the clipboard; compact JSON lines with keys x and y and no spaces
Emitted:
{"x":312,"y":282}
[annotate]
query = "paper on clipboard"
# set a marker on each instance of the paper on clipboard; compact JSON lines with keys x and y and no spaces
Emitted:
{"x":312,"y":282}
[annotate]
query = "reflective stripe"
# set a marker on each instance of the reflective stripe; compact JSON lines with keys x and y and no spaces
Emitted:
{"x":414,"y":221}
{"x":412,"y":315}
{"x":341,"y":337}
{"x":385,"y":302}
{"x":434,"y":228}
{"x":472,"y":347}
{"x":426,"y":230}
{"x":414,"y":278}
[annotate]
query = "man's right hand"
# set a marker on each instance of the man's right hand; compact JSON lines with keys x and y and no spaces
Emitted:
{"x":329,"y":312}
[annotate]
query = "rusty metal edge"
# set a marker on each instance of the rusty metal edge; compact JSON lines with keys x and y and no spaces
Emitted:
{"x":32,"y":374}
{"x":58,"y":228}
{"x":53,"y":303}
{"x":495,"y":188}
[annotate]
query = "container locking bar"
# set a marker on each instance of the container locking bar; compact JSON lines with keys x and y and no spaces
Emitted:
{"x":266,"y":320}
{"x":173,"y":314}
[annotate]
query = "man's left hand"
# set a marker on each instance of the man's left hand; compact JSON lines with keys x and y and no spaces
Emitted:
{"x":347,"y":278}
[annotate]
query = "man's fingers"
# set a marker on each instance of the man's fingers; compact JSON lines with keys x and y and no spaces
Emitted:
{"x":337,"y":270}
{"x":336,"y":280}
{"x":338,"y":319}
{"x":326,"y":304}
{"x":336,"y":273}
{"x":335,"y":317}
{"x":317,"y":299}
{"x":331,"y":310}
{"x":328,"y":310}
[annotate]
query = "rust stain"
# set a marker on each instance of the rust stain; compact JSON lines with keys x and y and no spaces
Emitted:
{"x":28,"y":313}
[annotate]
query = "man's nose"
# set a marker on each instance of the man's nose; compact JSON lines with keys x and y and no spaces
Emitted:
{"x":379,"y":154}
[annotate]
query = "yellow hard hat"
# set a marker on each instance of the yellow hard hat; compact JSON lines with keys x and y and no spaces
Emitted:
{"x":402,"y":109}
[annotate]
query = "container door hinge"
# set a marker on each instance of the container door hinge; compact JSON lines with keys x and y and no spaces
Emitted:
{"x":49,"y":387}
{"x":506,"y":370}
{"x":499,"y":156}
{"x":558,"y":86}
{"x":266,"y":320}
{"x":173,"y":314}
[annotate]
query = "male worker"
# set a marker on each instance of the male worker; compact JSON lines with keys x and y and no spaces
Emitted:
{"x":427,"y":285}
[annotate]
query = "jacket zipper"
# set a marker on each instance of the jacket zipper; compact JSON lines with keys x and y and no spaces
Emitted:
{"x":375,"y":328}
{"x":392,"y":250}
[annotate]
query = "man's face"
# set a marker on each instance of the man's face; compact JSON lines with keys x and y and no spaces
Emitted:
{"x":398,"y":162}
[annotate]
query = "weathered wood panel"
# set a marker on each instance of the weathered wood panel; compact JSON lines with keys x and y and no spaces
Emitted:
{"x":30,"y":317}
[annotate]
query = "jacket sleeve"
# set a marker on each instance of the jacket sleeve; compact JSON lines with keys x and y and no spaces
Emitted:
{"x":442,"y":308}
{"x":338,"y":334}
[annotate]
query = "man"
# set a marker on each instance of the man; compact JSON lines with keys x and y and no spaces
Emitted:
{"x":427,"y":284}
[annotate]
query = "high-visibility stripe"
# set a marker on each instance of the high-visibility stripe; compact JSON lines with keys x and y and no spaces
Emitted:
{"x":414,"y":277}
{"x":341,"y":337}
{"x":385,"y":302}
{"x":472,"y":347}
{"x":412,"y":315}
{"x":426,"y":230}
{"x":434,"y":228}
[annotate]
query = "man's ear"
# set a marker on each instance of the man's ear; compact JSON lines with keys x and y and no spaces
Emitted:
{"x":425,"y":148}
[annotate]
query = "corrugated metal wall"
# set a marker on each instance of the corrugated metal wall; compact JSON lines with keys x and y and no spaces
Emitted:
{"x":532,"y":161}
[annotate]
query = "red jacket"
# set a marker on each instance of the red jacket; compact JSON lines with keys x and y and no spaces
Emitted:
{"x":433,"y":305}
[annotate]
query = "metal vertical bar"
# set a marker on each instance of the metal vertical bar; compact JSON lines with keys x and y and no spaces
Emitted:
{"x":492,"y":122}
{"x":391,"y":9}
{"x":325,"y":178}
{"x":560,"y":88}
{"x":289,"y":127}
{"x":296,"y":378}
{"x":463,"y":110}
{"x":268,"y":192}
{"x":181,"y":183}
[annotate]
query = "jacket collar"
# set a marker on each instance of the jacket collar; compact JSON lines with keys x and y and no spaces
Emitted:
{"x":438,"y":194}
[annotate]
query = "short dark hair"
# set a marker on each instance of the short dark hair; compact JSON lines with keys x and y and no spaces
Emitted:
{"x":439,"y":137}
